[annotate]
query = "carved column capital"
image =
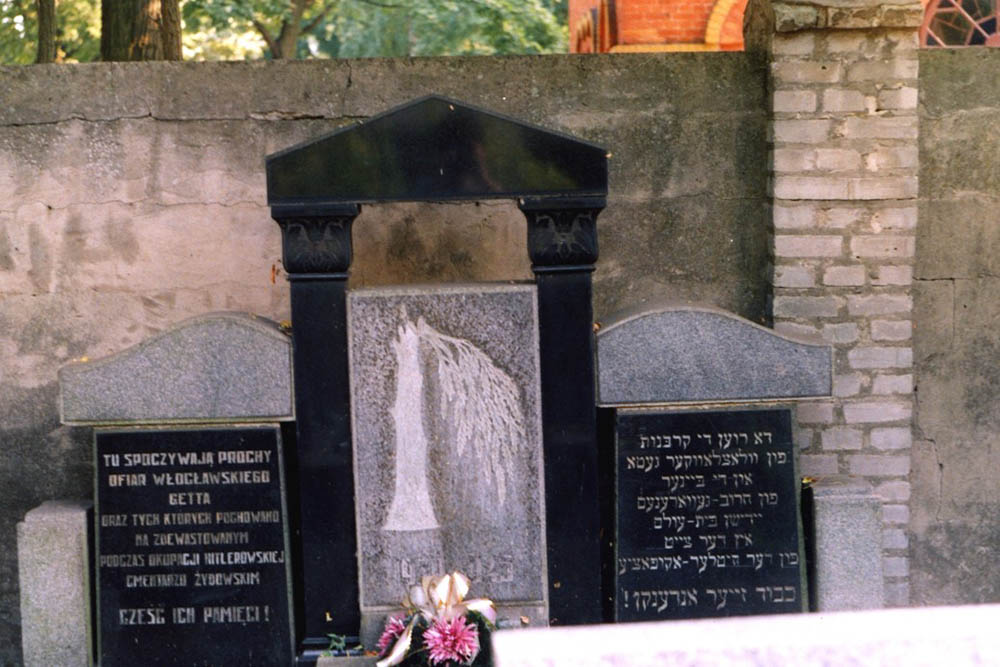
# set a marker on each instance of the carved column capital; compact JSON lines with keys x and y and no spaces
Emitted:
{"x":316,"y":241}
{"x":562,"y":234}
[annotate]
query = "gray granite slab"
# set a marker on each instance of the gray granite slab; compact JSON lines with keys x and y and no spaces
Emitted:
{"x":54,"y":581}
{"x":447,"y":440}
{"x":232,"y":367}
{"x":700,"y":354}
{"x":847,"y":517}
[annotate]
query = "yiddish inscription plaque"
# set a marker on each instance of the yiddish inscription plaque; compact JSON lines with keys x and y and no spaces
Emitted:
{"x":192,"y":564}
{"x":707,"y":515}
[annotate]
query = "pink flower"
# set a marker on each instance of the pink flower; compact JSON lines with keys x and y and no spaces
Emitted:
{"x":394,"y":627}
{"x":453,"y":640}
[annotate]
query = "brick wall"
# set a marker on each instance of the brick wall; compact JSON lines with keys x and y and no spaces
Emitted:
{"x":844,"y":185}
{"x":713,"y":24}
{"x":662,"y":21}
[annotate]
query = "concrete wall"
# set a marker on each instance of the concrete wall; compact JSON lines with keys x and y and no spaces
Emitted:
{"x":955,"y":521}
{"x":132,"y":196}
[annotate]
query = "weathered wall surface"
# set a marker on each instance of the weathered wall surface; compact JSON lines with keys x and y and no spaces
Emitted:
{"x":132,"y":196}
{"x":955,"y":506}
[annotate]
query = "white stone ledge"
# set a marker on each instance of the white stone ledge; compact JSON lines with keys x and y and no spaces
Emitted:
{"x":929,"y":636}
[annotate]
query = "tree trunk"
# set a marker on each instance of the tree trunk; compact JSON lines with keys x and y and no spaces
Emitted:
{"x":116,"y":29}
{"x":140,"y":30}
{"x":291,"y":29}
{"x":147,"y":42}
{"x":171,"y":30}
{"x":46,"y":31}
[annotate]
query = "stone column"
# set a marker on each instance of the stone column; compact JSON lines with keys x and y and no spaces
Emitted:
{"x":562,"y":244}
{"x":316,"y":253}
{"x":843,"y":84}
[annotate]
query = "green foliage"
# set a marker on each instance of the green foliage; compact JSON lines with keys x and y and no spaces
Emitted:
{"x":232,"y":29}
{"x":394,"y":28}
{"x":443,"y":27}
{"x":78,"y":31}
{"x":338,"y":646}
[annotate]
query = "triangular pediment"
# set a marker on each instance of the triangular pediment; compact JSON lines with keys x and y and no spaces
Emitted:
{"x":433,"y":149}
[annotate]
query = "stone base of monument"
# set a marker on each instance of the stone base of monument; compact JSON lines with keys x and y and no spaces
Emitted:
{"x":846,"y":539}
{"x":346,"y":661}
{"x":54,"y":564}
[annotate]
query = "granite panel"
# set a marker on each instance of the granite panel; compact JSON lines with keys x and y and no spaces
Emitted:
{"x":688,"y":354}
{"x":216,"y":367}
{"x":847,"y":519}
{"x":447,"y":440}
{"x":54,"y":562}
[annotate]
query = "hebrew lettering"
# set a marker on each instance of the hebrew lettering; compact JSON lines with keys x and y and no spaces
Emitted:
{"x":707,"y":525}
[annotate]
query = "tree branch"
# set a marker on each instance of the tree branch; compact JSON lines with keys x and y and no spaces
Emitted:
{"x":383,"y":4}
{"x":271,"y":44}
{"x":309,"y":27}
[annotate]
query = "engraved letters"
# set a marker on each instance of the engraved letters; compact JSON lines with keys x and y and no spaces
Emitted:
{"x":191,"y":541}
{"x":706,"y":515}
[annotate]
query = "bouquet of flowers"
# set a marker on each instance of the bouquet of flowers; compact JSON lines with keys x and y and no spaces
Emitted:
{"x":439,"y":627}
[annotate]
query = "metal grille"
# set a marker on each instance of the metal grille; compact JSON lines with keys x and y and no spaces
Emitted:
{"x":950,"y":23}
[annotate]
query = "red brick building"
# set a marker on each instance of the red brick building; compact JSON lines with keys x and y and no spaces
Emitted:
{"x":617,"y":26}
{"x":601,"y":26}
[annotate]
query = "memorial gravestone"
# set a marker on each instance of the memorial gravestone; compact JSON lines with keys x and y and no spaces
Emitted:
{"x":447,"y":438}
{"x":192,"y":542}
{"x":436,"y":149}
{"x":707,"y":515}
{"x":706,"y":497}
{"x":191,"y":547}
{"x":217,"y":375}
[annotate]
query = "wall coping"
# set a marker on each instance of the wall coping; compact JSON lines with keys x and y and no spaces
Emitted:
{"x":793,"y":15}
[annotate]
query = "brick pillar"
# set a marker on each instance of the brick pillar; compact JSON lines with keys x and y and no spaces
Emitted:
{"x":844,"y":185}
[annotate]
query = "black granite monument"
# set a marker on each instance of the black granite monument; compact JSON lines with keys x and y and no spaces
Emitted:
{"x":703,"y":508}
{"x":436,"y":149}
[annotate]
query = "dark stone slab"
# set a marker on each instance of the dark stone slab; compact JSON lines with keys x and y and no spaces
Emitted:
{"x":191,"y":548}
{"x":687,"y":354}
{"x":707,"y":515}
{"x":433,"y":149}
{"x":217,"y":367}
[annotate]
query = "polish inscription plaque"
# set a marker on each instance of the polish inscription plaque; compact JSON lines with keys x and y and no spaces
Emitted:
{"x":192,"y":564}
{"x":707,"y":517}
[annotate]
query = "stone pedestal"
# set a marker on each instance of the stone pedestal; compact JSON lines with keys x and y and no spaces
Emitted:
{"x":53,"y":555}
{"x":844,"y":87}
{"x":847,"y":522}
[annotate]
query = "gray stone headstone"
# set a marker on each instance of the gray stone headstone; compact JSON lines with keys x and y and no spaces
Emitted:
{"x":54,"y":580}
{"x":847,"y":520}
{"x":688,"y":354}
{"x":447,"y":439}
{"x":221,"y":367}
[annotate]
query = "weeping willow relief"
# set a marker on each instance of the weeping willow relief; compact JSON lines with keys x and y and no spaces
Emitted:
{"x":447,"y":438}
{"x":483,"y":413}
